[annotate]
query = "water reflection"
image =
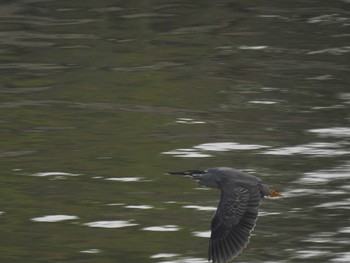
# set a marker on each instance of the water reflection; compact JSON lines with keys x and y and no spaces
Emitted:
{"x":252,"y":47}
{"x":341,"y":257}
{"x":54,"y":218}
{"x":110,"y":224}
{"x":330,"y":19}
{"x":139,"y":206}
{"x":265,"y":102}
{"x":332,"y":51}
{"x":200,"y":208}
{"x":164,"y":255}
{"x":91,"y":251}
{"x":205,"y":234}
{"x":317,"y":149}
{"x":324,"y":176}
{"x":124,"y":179}
{"x":164,"y":228}
{"x":337,"y":132}
{"x":62,"y":174}
{"x":107,"y":9}
{"x":189,"y":121}
{"x":202,"y":149}
{"x":342,"y":204}
{"x":345,"y":230}
{"x":304,"y":254}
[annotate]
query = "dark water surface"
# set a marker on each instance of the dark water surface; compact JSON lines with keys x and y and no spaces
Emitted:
{"x":100,"y":98}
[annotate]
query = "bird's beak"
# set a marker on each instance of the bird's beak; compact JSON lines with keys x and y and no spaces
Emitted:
{"x":187,"y":174}
{"x":176,"y":173}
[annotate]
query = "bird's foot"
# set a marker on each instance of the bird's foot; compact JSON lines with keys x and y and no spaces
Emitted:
{"x":274,"y":194}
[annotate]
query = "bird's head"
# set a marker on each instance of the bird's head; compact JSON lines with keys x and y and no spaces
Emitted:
{"x":204,"y":178}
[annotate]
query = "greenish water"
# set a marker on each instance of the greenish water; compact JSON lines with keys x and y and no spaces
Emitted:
{"x":98,"y":99}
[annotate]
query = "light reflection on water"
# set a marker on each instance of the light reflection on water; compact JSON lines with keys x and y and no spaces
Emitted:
{"x":44,"y":174}
{"x":316,"y":149}
{"x":54,"y":218}
{"x":164,"y":255}
{"x":124,"y":179}
{"x":338,"y":132}
{"x":200,"y":208}
{"x":202,"y":149}
{"x":139,"y":206}
{"x":91,"y":251}
{"x":189,"y":121}
{"x":165,"y":228}
{"x":205,"y":234}
{"x":324,"y":176}
{"x":110,"y":224}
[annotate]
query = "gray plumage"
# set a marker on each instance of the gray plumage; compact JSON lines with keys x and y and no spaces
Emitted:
{"x":237,"y":211}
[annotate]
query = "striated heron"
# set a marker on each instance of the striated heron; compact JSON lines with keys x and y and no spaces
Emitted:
{"x":237,"y":211}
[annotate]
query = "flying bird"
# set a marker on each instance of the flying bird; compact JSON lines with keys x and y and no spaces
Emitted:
{"x":237,"y":212}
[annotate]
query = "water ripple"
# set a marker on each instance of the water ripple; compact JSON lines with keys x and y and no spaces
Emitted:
{"x":202,"y":149}
{"x":325,"y":176}
{"x":345,"y":230}
{"x":164,"y":255}
{"x":44,"y":21}
{"x":100,"y":106}
{"x":143,"y":15}
{"x":33,"y":66}
{"x":342,"y":257}
{"x":205,"y":234}
{"x":124,"y":179}
{"x":265,"y":102}
{"x":317,"y":149}
{"x":165,"y":228}
{"x":329,"y":19}
{"x":337,"y":132}
{"x":107,"y":9}
{"x":228,"y":146}
{"x":91,"y":251}
{"x":304,"y":254}
{"x":54,"y":218}
{"x":14,"y":153}
{"x":157,"y":66}
{"x":187,"y":153}
{"x":188,"y":121}
{"x":45,"y":174}
{"x":31,"y":39}
{"x":332,"y":51}
{"x":194,"y":29}
{"x":140,"y":206}
{"x":345,"y":204}
{"x":110,"y":224}
{"x":201,"y":208}
{"x":252,"y":47}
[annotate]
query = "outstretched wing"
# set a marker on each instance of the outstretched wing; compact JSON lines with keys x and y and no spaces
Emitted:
{"x":232,"y":223}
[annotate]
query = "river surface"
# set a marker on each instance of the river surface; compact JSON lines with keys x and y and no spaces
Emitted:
{"x":98,"y":99}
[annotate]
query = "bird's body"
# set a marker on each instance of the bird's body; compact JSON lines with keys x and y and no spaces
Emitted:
{"x":237,"y":211}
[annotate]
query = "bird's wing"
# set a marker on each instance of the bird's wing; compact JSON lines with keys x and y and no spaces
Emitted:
{"x":232,"y":223}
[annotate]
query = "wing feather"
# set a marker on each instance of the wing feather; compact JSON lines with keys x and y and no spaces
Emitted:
{"x":232,"y":223}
